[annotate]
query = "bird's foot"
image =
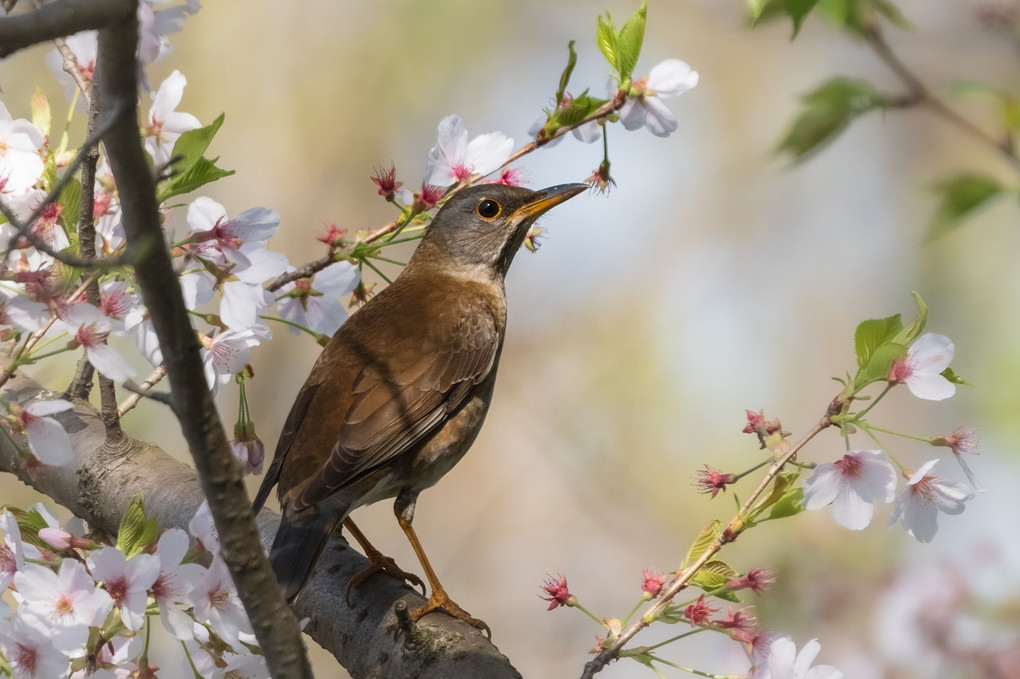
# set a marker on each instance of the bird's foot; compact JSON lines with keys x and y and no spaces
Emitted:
{"x":441,"y":600}
{"x":378,"y":562}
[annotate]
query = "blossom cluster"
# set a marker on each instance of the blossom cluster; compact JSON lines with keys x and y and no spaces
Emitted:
{"x":82,"y":607}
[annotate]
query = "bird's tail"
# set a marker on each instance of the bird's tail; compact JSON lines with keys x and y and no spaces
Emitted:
{"x":299,"y":542}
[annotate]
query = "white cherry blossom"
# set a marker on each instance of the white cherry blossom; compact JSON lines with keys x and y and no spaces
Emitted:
{"x":165,"y":124}
{"x":47,"y":438}
{"x":921,"y":369}
{"x":315,"y":303}
{"x":852,"y":484}
{"x":68,"y":601}
{"x":127,"y":581}
{"x":784,"y":662}
{"x":919,"y":504}
{"x":644,"y":107}
{"x":454,"y":158}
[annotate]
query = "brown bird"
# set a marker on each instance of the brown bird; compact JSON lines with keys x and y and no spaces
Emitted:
{"x":400,"y":391}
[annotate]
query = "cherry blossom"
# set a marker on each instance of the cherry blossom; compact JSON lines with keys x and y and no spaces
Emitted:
{"x":127,"y":581}
{"x":85,"y":48}
{"x":919,"y":504}
{"x":21,"y":166}
{"x":12,"y":551}
{"x":68,"y":601}
{"x":784,"y":662}
{"x":921,"y":369}
{"x":92,"y":337}
{"x":454,"y":158}
{"x":203,"y":528}
{"x":47,"y":438}
{"x":217,"y":605}
{"x":242,"y":306}
{"x":962,"y":441}
{"x":27,"y":647}
{"x":852,"y":484}
{"x":18,"y":311}
{"x":644,"y":107}
{"x":225,"y":354}
{"x":174,"y":581}
{"x":165,"y":125}
{"x":224,"y":241}
{"x":556,"y":592}
{"x":315,"y":302}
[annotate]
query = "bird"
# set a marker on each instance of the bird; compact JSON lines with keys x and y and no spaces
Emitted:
{"x":400,"y":391}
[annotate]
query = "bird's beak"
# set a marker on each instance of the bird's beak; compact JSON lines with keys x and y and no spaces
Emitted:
{"x":546,"y":199}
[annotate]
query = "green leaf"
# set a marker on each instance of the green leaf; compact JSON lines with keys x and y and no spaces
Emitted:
{"x":191,"y":145}
{"x":826,"y":112}
{"x":960,"y":196}
{"x":713,"y":575}
{"x":880,"y":361}
{"x":567,"y":72}
{"x":892,"y":13}
{"x":790,"y":504}
{"x":136,"y":532}
{"x":798,"y":10}
{"x":954,"y":378}
{"x":199,"y":174}
{"x":910,"y":333}
{"x":629,"y":42}
{"x":70,"y":203}
{"x":874,"y":333}
{"x":703,"y":541}
{"x":41,"y":116}
{"x":29,"y":524}
{"x":605,"y":36}
{"x":764,"y":11}
{"x":579,"y":109}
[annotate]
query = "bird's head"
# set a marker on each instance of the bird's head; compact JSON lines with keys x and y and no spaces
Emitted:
{"x":482,"y":227}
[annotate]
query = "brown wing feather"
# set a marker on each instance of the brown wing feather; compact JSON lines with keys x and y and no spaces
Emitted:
{"x":290,"y":429}
{"x":394,"y":409}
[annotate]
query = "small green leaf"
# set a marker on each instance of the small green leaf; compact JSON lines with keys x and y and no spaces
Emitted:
{"x":872,"y":334}
{"x":826,"y":112}
{"x":954,"y":378}
{"x":790,"y":504}
{"x":41,"y":116}
{"x":892,"y":13}
{"x":605,"y":36}
{"x":579,"y":109}
{"x":703,"y":541}
{"x":960,"y":196}
{"x":880,"y":362}
{"x":136,"y":532}
{"x":70,"y":202}
{"x":29,"y":524}
{"x":191,"y":145}
{"x":567,"y":72}
{"x":911,"y":332}
{"x":713,"y":575}
{"x":199,"y":174}
{"x":798,"y":10}
{"x":629,"y":42}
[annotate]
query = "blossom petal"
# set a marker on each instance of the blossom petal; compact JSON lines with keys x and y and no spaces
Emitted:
{"x":49,"y":442}
{"x":930,"y":386}
{"x":659,"y":119}
{"x":632,"y":114}
{"x":671,"y":77}
{"x":109,"y":363}
{"x":486,"y":152}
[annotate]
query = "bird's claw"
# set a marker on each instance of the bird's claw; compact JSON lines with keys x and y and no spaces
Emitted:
{"x":377,"y":562}
{"x":441,"y":600}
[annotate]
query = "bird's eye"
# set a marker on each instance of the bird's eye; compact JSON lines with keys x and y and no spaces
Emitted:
{"x":488,"y":209}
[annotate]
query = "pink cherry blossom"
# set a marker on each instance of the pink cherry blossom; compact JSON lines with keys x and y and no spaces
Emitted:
{"x":852,"y":484}
{"x":12,"y":550}
{"x":225,"y":354}
{"x":204,"y":530}
{"x":216,"y":237}
{"x":217,"y":605}
{"x":27,"y":646}
{"x":68,"y":601}
{"x":784,"y":662}
{"x":644,"y":107}
{"x":174,"y":581}
{"x":919,"y":504}
{"x":92,"y":337}
{"x":127,"y":581}
{"x":454,"y":158}
{"x":921,"y":369}
{"x":165,"y":125}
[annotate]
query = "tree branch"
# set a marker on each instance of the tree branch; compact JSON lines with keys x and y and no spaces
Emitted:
{"x":58,"y":19}
{"x":365,"y":637}
{"x":272,"y":620}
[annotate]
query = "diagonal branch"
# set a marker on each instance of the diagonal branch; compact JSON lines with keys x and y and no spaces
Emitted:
{"x":101,"y":480}
{"x":57,"y":19}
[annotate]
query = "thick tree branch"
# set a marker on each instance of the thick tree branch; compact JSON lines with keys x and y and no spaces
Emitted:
{"x":272,"y":620}
{"x":365,"y":637}
{"x":58,"y":19}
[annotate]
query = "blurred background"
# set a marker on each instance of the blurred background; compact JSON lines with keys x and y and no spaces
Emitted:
{"x":714,"y":277}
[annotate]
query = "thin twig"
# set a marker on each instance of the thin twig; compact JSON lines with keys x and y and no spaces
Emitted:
{"x":729,"y":534}
{"x":140,"y":390}
{"x":921,"y":95}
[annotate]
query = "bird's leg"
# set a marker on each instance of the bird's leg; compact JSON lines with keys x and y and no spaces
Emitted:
{"x":439,"y":598}
{"x":377,"y":561}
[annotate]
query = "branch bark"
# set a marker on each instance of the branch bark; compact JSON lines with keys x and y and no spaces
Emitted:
{"x":366,"y":637}
{"x":58,"y":19}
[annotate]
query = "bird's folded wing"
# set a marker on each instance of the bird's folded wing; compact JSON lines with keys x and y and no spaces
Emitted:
{"x":394,"y":406}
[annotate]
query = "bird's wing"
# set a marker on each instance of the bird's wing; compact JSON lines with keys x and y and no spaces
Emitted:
{"x":290,"y":429}
{"x":396,"y":405}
